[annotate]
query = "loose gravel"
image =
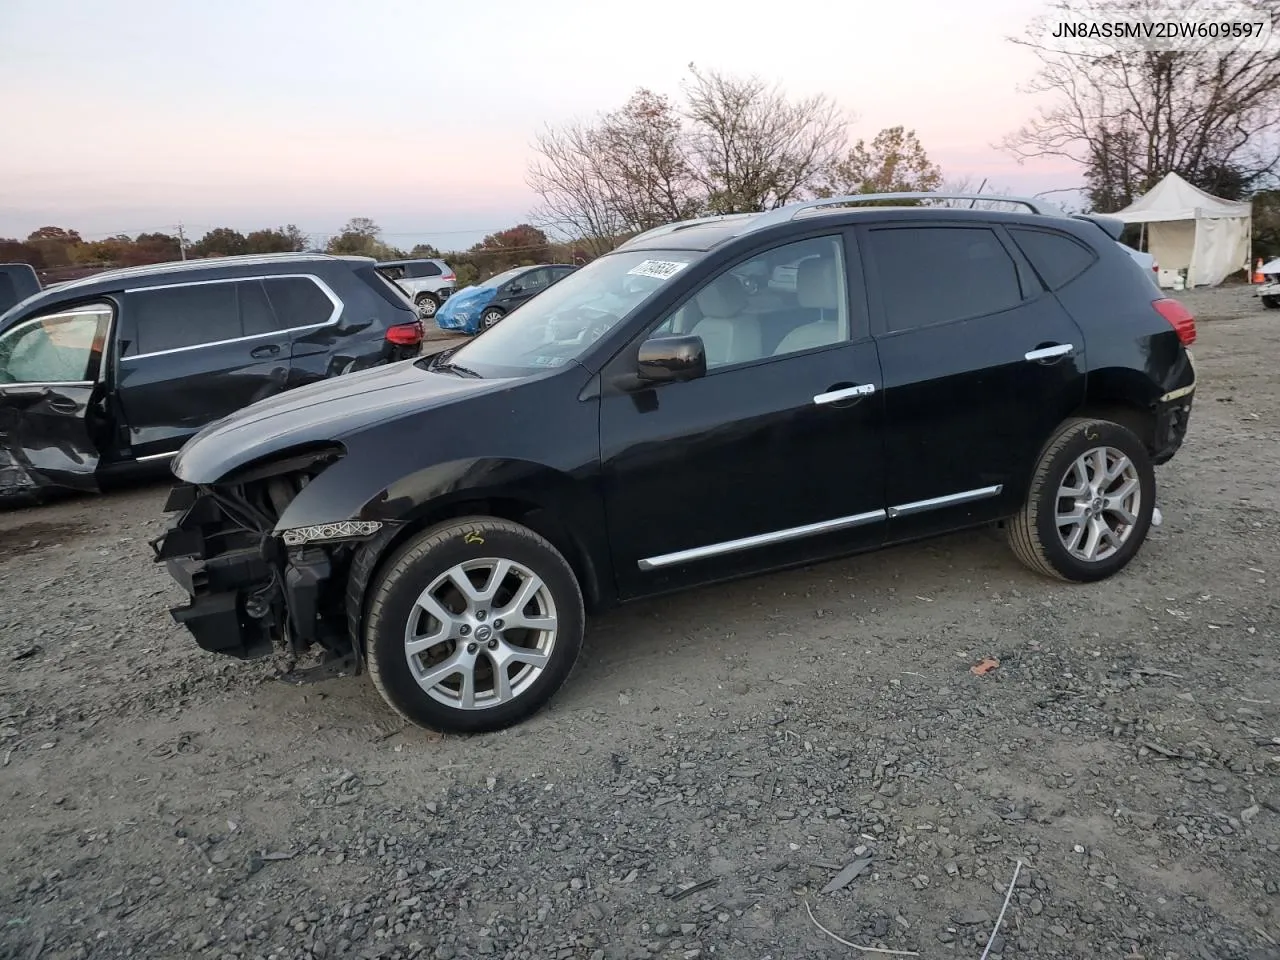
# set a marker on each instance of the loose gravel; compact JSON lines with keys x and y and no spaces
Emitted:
{"x":725,"y":767}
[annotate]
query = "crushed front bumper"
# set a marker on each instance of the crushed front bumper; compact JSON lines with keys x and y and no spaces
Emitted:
{"x":250,"y":592}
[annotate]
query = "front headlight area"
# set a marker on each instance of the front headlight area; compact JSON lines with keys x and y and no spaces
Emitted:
{"x":255,"y":586}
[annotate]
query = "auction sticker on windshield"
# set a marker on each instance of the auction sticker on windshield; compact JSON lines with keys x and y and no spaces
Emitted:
{"x":658,"y":269}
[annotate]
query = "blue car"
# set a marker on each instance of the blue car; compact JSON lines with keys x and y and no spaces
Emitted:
{"x":479,"y":307}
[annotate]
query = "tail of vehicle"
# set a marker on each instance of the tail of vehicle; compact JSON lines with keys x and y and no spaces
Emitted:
{"x":404,"y":338}
{"x":17,"y":282}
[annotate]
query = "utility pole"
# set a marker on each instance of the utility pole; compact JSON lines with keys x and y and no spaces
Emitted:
{"x":182,"y":242}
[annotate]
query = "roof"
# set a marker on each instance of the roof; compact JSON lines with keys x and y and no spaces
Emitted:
{"x":1175,"y":199}
{"x":156,"y":274}
{"x":408,"y":260}
{"x":708,"y":232}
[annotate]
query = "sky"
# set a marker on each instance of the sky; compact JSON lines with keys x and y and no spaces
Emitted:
{"x":138,"y":115}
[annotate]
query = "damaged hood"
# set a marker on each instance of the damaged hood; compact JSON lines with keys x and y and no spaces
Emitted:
{"x":322,"y":412}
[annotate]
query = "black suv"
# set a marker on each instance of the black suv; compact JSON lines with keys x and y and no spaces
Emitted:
{"x":114,"y":372}
{"x":713,"y":399}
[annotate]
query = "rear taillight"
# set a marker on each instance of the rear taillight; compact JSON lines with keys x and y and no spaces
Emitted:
{"x":450,"y":277}
{"x":1179,"y":317}
{"x":406,"y":334}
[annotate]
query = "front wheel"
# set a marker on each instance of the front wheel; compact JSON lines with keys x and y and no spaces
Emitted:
{"x":1271,"y":303}
{"x":427,"y":306}
{"x":1090,"y":503}
{"x":474,"y":626}
{"x":489,"y":318}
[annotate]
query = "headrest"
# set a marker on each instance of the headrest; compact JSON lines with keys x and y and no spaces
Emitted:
{"x":722,"y":298}
{"x":816,"y":286}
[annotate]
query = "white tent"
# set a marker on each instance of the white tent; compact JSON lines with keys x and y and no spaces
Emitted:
{"x":1188,"y":229}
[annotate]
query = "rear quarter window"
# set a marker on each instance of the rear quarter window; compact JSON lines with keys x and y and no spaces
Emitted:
{"x":1058,"y":259}
{"x":298,"y":302}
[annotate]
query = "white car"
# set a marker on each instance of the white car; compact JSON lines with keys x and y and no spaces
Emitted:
{"x":1269,"y":289}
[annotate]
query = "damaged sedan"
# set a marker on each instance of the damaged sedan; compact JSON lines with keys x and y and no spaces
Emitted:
{"x":712,"y":399}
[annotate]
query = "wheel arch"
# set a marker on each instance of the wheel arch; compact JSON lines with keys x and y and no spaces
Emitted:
{"x":1125,"y":396}
{"x":539,"y":513}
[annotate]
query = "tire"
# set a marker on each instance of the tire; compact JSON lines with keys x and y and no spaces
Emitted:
{"x":1033,"y":532}
{"x":541,"y":659}
{"x":427,"y":304}
{"x":1271,"y":303}
{"x":490,"y":318}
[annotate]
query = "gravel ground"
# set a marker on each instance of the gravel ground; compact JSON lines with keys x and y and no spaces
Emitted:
{"x":716,"y":763}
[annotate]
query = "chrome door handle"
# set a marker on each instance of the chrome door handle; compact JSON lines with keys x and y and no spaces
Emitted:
{"x":1048,"y":353}
{"x":847,"y":393}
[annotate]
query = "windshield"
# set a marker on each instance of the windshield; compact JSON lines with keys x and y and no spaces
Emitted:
{"x":498,"y":279}
{"x":559,"y":325}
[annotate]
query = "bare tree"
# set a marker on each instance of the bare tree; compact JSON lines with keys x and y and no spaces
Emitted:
{"x":752,"y":148}
{"x":571,"y":177}
{"x":1129,"y":114}
{"x":644,"y":158}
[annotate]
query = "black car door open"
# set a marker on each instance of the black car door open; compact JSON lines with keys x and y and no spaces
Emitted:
{"x":50,"y":393}
{"x":775,"y":454}
{"x":193,"y":353}
{"x":980,"y":364}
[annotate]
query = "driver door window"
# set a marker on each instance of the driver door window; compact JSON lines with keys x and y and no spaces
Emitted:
{"x":63,"y":347}
{"x":531,"y":282}
{"x":785,"y":300}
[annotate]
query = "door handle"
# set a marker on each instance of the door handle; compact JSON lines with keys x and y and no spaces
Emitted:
{"x":1050,"y":352}
{"x":266,"y":350}
{"x":63,"y":405}
{"x":835,"y":395}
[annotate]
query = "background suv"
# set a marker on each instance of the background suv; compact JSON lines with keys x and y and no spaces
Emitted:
{"x":479,"y":307}
{"x":712,"y":399}
{"x":428,"y":282}
{"x":117,"y":370}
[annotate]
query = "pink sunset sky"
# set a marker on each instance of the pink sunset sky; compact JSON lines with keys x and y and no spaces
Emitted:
{"x":140,"y":114}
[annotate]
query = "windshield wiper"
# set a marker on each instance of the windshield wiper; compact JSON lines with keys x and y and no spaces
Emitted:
{"x":450,"y":367}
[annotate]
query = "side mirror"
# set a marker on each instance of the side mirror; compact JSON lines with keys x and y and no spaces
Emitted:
{"x":666,"y":359}
{"x":514,"y":288}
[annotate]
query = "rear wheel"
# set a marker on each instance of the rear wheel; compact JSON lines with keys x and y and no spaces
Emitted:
{"x":490,"y":317}
{"x":1271,"y":303}
{"x":474,"y":626}
{"x":1090,"y":503}
{"x":427,"y":305}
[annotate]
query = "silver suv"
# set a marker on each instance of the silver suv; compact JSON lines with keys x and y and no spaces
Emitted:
{"x":428,"y":282}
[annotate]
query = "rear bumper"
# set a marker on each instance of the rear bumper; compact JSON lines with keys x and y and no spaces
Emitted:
{"x":1173,"y":417}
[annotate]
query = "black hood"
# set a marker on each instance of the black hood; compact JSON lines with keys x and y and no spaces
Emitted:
{"x":320,"y":412}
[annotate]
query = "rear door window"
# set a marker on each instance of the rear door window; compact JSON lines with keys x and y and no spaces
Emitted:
{"x":180,"y":317}
{"x":419,"y":270}
{"x":256,"y":314}
{"x":299,"y":302}
{"x":931,"y":275}
{"x":1058,"y":259}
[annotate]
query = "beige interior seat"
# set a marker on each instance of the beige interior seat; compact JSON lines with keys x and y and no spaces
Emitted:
{"x":729,"y":334}
{"x":817,"y":288}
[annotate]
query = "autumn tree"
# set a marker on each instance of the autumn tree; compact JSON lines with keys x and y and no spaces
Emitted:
{"x":361,"y":237}
{"x":894,"y":162}
{"x":1128,"y":114}
{"x":220,"y":242}
{"x":522,"y":243}
{"x":287,"y":239}
{"x":55,"y":245}
{"x":645,"y":164}
{"x":424,"y":251}
{"x":13,"y":250}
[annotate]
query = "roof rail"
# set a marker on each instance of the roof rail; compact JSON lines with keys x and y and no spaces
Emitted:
{"x":682,"y":225}
{"x":792,"y":210}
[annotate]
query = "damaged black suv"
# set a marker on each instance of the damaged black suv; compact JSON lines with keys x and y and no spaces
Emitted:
{"x":713,"y":399}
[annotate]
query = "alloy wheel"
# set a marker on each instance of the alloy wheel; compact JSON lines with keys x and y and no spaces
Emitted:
{"x":426,"y":308}
{"x":481,"y":634}
{"x":1099,"y":500}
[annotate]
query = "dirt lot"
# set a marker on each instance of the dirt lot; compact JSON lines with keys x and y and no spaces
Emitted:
{"x":753,"y":739}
